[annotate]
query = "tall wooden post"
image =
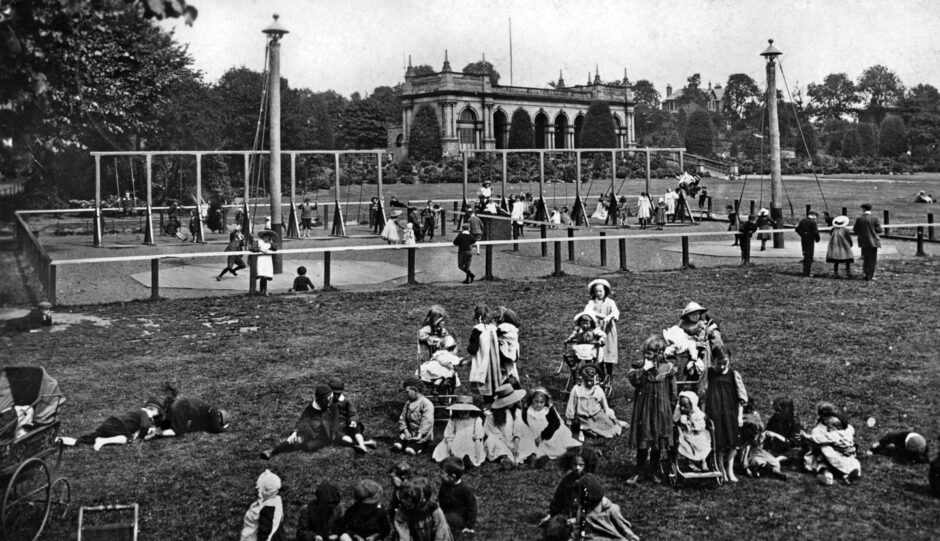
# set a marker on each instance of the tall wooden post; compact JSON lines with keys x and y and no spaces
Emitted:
{"x":776,"y":179}
{"x":275,"y":32}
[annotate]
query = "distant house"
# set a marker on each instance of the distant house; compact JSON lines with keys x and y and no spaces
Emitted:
{"x":673,"y":101}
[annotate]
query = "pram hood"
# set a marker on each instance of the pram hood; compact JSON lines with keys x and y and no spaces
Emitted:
{"x":30,"y":386}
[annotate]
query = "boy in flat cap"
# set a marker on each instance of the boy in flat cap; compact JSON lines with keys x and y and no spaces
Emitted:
{"x":345,"y":418}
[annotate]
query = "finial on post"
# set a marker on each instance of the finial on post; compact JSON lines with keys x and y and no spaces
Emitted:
{"x":275,"y":30}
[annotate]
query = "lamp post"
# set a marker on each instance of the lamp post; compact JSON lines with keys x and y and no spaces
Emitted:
{"x":275,"y":31}
{"x":776,"y":180}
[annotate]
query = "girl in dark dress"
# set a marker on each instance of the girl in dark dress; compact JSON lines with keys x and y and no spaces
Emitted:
{"x":724,"y":398}
{"x":783,"y":428}
{"x":655,"y":395}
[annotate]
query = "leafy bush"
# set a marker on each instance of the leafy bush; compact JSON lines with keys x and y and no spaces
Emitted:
{"x":598,"y":130}
{"x":700,"y":134}
{"x":521,"y":130}
{"x":893,"y":136}
{"x":425,"y":140}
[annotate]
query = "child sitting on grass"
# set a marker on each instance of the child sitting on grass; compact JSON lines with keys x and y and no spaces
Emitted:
{"x":783,"y":431}
{"x":366,"y":519}
{"x":419,"y":518}
{"x":344,"y":415}
{"x":600,"y":517}
{"x":463,"y":435}
{"x":416,"y":424}
{"x":321,"y":518}
{"x":588,"y":410}
{"x":552,"y":437}
{"x":120,"y":429}
{"x":457,"y":501}
{"x":832,"y":447}
{"x":302,"y":283}
{"x":264,"y":519}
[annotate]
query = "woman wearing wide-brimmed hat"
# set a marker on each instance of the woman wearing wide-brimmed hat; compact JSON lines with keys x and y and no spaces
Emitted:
{"x":508,"y":441}
{"x":840,"y":247}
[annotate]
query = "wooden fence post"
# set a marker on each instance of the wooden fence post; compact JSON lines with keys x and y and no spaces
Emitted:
{"x":411,"y":266}
{"x":51,"y":287}
{"x":603,"y":249}
{"x":326,"y":271}
{"x":570,"y":244}
{"x":623,"y":253}
{"x":543,"y":231}
{"x":489,"y":262}
{"x":930,"y":233}
{"x":252,"y":274}
{"x":920,"y":241}
{"x":557,"y":259}
{"x":685,"y":253}
{"x":155,"y":279}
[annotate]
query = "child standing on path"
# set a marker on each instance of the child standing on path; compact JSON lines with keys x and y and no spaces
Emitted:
{"x":732,"y":222}
{"x":660,"y":214}
{"x":746,"y":230}
{"x":840,"y":247}
{"x":235,"y":263}
{"x":724,"y":397}
{"x":655,"y":390}
{"x":605,"y":310}
{"x":464,"y":242}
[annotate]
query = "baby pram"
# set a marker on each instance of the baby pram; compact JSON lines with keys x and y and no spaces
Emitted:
{"x":576,"y":356}
{"x":683,"y":469}
{"x":439,"y":375}
{"x":29,"y":451}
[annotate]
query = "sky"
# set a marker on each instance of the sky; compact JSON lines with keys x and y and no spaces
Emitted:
{"x":356,"y":45}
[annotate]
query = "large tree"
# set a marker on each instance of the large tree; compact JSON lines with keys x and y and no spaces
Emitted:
{"x":424,"y":142}
{"x":924,"y":98}
{"x":598,"y":130}
{"x":645,"y":93}
{"x":867,"y":139}
{"x":692,"y":94}
{"x":924,"y":134}
{"x":892,"y":136}
{"x":700,"y":134}
{"x":880,"y":87}
{"x":482,"y":67}
{"x":741,"y":94}
{"x":364,"y":121}
{"x":832,"y":99}
{"x":809,"y":135}
{"x":521,"y":130}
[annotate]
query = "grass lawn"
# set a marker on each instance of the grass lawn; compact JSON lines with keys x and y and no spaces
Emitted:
{"x":868,"y":347}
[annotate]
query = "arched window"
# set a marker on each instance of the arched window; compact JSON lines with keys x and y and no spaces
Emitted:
{"x":467,"y":129}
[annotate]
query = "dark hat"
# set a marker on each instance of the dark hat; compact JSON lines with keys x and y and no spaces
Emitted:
{"x":368,"y":491}
{"x":156,"y":404}
{"x":413,"y":381}
{"x":335,"y":383}
{"x":452,"y":465}
{"x":866,"y":206}
{"x":592,"y":489}
{"x":587,"y":367}
{"x":322,"y":392}
{"x":327,"y":493}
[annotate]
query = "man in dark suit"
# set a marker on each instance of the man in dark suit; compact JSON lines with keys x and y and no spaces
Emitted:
{"x":809,"y":236}
{"x":866,"y":229}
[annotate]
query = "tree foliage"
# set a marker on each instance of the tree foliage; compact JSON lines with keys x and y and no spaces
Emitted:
{"x":700,"y":134}
{"x":741,"y":95}
{"x":880,"y":86}
{"x":364,"y":121}
{"x":482,"y":67}
{"x":850,"y":142}
{"x":521,"y":130}
{"x":809,"y":135}
{"x":892,"y":136}
{"x":924,"y":98}
{"x":424,"y":142}
{"x":832,"y":99}
{"x":598,"y":130}
{"x":924,"y":134}
{"x":424,"y":69}
{"x":692,"y":94}
{"x":645,"y":93}
{"x":867,"y":139}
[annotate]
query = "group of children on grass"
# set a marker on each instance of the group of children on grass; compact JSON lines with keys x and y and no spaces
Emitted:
{"x":691,"y":410}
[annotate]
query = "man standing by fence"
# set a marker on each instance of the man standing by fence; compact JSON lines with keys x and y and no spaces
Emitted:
{"x":809,"y":236}
{"x":866,"y":229}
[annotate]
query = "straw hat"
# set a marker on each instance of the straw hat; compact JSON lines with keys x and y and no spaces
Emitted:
{"x":599,"y":281}
{"x":463,"y":403}
{"x":691,"y":308}
{"x":588,"y":315}
{"x":506,"y":396}
{"x":840,"y":221}
{"x":763,"y":212}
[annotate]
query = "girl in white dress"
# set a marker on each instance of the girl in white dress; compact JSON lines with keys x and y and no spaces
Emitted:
{"x":605,"y":311}
{"x":508,"y":439}
{"x":463,"y":435}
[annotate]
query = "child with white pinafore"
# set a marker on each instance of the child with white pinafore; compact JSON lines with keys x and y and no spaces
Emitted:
{"x":552,"y":437}
{"x":463,"y":435}
{"x":605,"y":310}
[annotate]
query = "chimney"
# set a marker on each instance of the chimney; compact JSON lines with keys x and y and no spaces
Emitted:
{"x":668,"y":90}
